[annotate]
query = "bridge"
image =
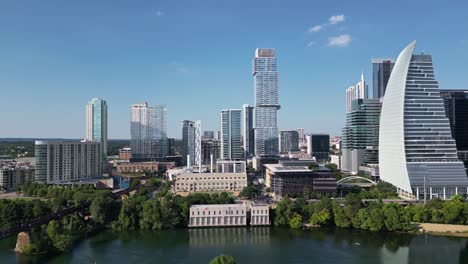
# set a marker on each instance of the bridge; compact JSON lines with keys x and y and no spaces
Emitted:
{"x":348,"y":182}
{"x":24,"y":227}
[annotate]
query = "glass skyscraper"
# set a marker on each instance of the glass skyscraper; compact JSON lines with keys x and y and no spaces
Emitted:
{"x":231,"y":138}
{"x":266,"y":103}
{"x":148,"y":132}
{"x":289,"y":141}
{"x":361,"y":135}
{"x":456,"y":110}
{"x":248,"y":131}
{"x":381,"y":70}
{"x":192,"y":142}
{"x":96,"y":123}
{"x":417,"y":153}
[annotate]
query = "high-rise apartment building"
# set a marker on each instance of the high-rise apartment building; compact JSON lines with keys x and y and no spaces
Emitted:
{"x":231,"y":138}
{"x":381,"y":70}
{"x":248,"y":131}
{"x":417,"y":153}
{"x":96,"y":123}
{"x":60,"y":161}
{"x":456,"y":110}
{"x":148,"y":132}
{"x":361,"y":135}
{"x":358,"y":91}
{"x":301,"y":134}
{"x":191,"y":142}
{"x":266,"y":103}
{"x":210,"y":147}
{"x":289,"y":141}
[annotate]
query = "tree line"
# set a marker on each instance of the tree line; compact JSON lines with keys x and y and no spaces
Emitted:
{"x":374,"y":216}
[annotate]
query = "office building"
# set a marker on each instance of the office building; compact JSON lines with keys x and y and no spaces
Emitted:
{"x":96,"y":123}
{"x":191,"y":142}
{"x":381,"y":70}
{"x":318,"y":146}
{"x":289,"y":141}
{"x":294,"y":180}
{"x":361,"y":135}
{"x":144,"y":167}
{"x":210,"y":147}
{"x":358,"y":91}
{"x":208,"y":135}
{"x":231,"y":137}
{"x":417,"y":153}
{"x":248,"y":131}
{"x":210,"y":182}
{"x":64,"y":161}
{"x":217,"y":215}
{"x":456,"y":110}
{"x":148,"y":132}
{"x":259,"y":214}
{"x":266,"y":103}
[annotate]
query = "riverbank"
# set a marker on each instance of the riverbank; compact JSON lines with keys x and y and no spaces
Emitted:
{"x":444,"y":229}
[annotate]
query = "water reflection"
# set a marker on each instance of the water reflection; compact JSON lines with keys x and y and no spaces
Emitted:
{"x":235,"y":236}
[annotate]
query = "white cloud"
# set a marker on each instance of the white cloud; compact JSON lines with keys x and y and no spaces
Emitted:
{"x":160,"y":13}
{"x":178,"y":67}
{"x":315,"y":28}
{"x":310,"y":44}
{"x":336,"y":19}
{"x":340,"y":41}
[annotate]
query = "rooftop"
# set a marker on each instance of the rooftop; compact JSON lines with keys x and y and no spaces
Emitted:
{"x":281,"y":168}
{"x":216,"y":205}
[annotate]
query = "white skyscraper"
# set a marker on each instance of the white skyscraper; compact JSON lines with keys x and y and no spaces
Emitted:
{"x":266,"y":103}
{"x":96,"y":123}
{"x":191,"y":142}
{"x":417,"y":153}
{"x":148,"y":132}
{"x":358,"y":91}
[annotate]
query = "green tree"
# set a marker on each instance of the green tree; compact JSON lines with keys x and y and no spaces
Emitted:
{"x":223,"y":259}
{"x":322,"y":217}
{"x":340,"y":218}
{"x":283,"y":212}
{"x":392,"y":219}
{"x":375,"y":219}
{"x":296,"y":221}
{"x":453,"y":211}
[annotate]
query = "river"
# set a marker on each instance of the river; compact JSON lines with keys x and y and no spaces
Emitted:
{"x":255,"y":245}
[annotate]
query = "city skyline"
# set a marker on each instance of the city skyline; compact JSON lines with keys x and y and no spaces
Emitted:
{"x":137,"y":58}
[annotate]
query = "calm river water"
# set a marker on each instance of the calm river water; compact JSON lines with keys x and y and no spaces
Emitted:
{"x":255,"y":245}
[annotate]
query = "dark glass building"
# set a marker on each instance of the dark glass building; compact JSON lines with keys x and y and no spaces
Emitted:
{"x":381,"y":70}
{"x":456,"y":110}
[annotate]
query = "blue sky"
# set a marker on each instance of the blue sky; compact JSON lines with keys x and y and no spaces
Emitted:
{"x":195,"y":57}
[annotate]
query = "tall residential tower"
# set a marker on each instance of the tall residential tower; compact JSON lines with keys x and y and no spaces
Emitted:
{"x":96,"y":124}
{"x":381,"y":70}
{"x":358,"y":91}
{"x":248,"y":131}
{"x":231,"y":138}
{"x":266,"y":103}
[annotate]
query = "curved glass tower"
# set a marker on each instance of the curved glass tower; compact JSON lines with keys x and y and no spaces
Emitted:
{"x":417,"y":153}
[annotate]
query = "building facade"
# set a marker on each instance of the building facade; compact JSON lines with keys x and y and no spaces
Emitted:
{"x":147,"y":166}
{"x":361,"y":135}
{"x":192,"y":142}
{"x":456,"y":110}
{"x":259,"y":214}
{"x":125,"y":153}
{"x":266,"y":103}
{"x":289,"y":141}
{"x":294,"y":180}
{"x":359,"y":91}
{"x":96,"y":123}
{"x":381,"y":70}
{"x":231,"y":137}
{"x":210,"y":147}
{"x":417,"y":153}
{"x":208,"y":135}
{"x":248,"y":131}
{"x":210,"y":182}
{"x":148,"y":132}
{"x":61,"y":161}
{"x":318,"y":146}
{"x":15,"y":174}
{"x":218,"y":215}
{"x":231,"y":166}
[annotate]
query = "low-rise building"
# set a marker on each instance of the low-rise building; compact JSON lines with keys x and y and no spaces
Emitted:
{"x":150,"y":166}
{"x":259,"y":214}
{"x":218,"y":215}
{"x":210,"y":182}
{"x":125,"y":153}
{"x":294,"y":180}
